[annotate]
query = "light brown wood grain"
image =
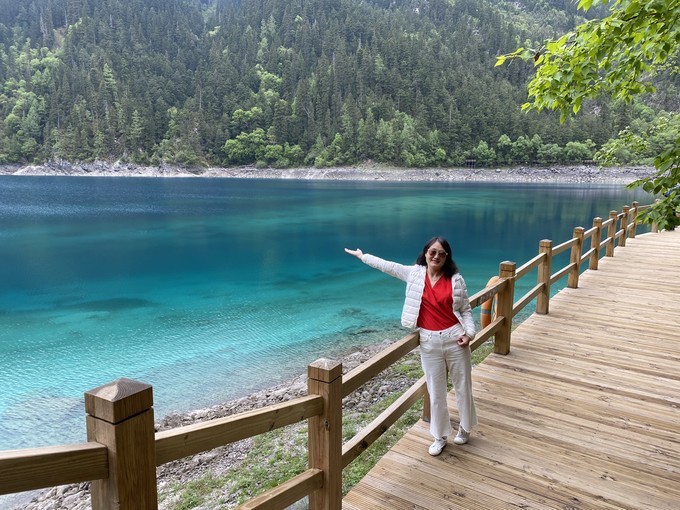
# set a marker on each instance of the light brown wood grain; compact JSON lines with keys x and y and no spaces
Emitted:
{"x":35,"y":468}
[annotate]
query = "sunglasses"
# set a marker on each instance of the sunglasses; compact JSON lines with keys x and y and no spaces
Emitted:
{"x":434,"y":253}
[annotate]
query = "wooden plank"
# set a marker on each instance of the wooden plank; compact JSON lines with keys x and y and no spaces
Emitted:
{"x":496,"y":477}
{"x":586,"y":433}
{"x":367,"y":496}
{"x":435,"y":490}
{"x":587,"y":477}
{"x":35,"y":468}
{"x":624,"y":404}
{"x":617,"y":379}
{"x":595,"y":351}
{"x":472,"y":474}
{"x":536,"y":459}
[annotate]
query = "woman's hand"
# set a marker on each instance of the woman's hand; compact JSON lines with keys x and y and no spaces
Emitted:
{"x":464,"y":341}
{"x":357,"y":253}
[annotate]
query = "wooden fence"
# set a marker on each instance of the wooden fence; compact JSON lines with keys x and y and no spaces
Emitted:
{"x":122,"y":450}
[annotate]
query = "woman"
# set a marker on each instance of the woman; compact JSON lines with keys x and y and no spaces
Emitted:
{"x":437,"y":304}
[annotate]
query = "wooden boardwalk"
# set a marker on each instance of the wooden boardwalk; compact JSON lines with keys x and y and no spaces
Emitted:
{"x":584,"y":413}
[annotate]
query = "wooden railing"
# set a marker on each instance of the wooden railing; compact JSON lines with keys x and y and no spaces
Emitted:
{"x":122,"y":451}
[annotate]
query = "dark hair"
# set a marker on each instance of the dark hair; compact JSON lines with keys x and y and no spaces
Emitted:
{"x":449,"y":268}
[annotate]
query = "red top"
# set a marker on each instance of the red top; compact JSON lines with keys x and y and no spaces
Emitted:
{"x":436,"y":308}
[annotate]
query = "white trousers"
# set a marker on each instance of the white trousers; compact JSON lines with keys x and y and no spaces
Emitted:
{"x":440,"y":351}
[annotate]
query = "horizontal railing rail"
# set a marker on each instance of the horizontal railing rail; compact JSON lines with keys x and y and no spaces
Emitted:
{"x":487,"y":293}
{"x":368,"y":370}
{"x":191,"y":439}
{"x":36,"y":468}
{"x":122,"y":451}
{"x":530,"y":265}
{"x":562,"y":272}
{"x":564,"y":246}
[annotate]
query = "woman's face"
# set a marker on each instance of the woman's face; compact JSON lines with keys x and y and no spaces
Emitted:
{"x":435,"y":256}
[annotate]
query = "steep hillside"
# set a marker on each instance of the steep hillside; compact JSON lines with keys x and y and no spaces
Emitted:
{"x":281,"y":82}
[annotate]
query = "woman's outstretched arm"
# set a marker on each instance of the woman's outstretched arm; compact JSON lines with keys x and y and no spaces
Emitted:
{"x":391,"y":268}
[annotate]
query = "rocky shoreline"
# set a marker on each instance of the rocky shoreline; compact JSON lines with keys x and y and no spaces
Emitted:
{"x":363,"y":172}
{"x":221,"y":460}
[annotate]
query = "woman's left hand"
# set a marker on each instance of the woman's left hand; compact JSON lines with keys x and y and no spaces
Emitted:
{"x":357,"y":253}
{"x":464,"y":341}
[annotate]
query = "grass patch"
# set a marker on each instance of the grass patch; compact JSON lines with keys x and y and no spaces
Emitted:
{"x":193,"y":493}
{"x":276,"y":457}
{"x":482,"y":352}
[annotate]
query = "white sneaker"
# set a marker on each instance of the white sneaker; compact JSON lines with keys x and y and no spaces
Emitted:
{"x":462,"y":436}
{"x":437,"y":447}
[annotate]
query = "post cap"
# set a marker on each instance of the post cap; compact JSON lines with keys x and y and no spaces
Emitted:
{"x":507,"y":269}
{"x":324,"y":370}
{"x":118,"y":400}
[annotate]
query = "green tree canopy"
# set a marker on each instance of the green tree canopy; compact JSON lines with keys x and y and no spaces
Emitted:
{"x":286,"y":82}
{"x":618,"y":55}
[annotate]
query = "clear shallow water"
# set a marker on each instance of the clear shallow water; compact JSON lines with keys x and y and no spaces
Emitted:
{"x":210,"y":289}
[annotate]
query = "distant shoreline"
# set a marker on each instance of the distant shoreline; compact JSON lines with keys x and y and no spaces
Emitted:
{"x":363,"y":172}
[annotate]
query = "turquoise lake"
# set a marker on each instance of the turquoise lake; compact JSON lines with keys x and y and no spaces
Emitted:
{"x":210,"y":289}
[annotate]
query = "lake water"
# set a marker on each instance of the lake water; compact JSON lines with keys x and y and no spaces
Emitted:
{"x":210,"y":289}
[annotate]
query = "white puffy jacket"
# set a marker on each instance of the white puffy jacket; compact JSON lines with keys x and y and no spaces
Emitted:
{"x":414,"y":276}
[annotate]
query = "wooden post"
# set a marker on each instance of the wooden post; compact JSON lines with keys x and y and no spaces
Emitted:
{"x":611,"y":234}
{"x":544,"y":273}
{"x":633,"y":219}
{"x":325,"y":433}
{"x":595,"y":241}
{"x":576,"y":251}
{"x":624,"y":225}
{"x":120,"y":416}
{"x":505,"y":300}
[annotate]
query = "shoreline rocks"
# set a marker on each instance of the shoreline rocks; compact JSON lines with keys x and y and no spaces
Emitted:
{"x":363,"y":172}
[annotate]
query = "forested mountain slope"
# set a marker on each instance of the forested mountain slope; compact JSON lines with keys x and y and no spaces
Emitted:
{"x":281,"y":82}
